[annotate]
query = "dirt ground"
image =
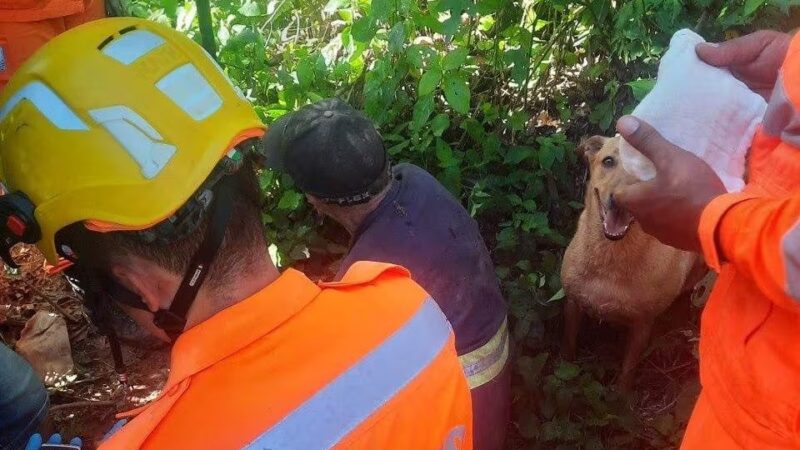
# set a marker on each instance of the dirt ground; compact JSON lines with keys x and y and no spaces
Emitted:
{"x":85,"y":405}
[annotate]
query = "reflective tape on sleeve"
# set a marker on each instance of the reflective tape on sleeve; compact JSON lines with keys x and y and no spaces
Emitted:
{"x":486,"y":362}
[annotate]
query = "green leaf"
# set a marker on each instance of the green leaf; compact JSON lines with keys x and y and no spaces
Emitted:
{"x":419,"y":56}
{"x":333,"y":6}
{"x":603,"y":114}
{"x":567,"y":371}
{"x":486,"y":7}
{"x":305,"y":72}
{"x":557,"y":296}
{"x":346,"y":15}
{"x":440,"y":124}
{"x":517,"y":154}
{"x":547,"y":156}
{"x":530,"y":368}
{"x":430,"y":81}
{"x":364,"y":29}
{"x":454,"y":6}
{"x":451,"y":25}
{"x":641,"y":88}
{"x":445,"y":155}
{"x":518,"y":120}
{"x":428,"y":21}
{"x":455,"y":59}
{"x":381,"y":9}
{"x":290,"y":200}
{"x":170,"y":8}
{"x":751,"y":6}
{"x":486,"y":23}
{"x":570,"y":59}
{"x":397,"y":36}
{"x":250,"y":8}
{"x":422,"y":110}
{"x":457,"y":93}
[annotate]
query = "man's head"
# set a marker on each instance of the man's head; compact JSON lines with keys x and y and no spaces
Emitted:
{"x":138,"y":173}
{"x":153,"y":271}
{"x":333,"y":153}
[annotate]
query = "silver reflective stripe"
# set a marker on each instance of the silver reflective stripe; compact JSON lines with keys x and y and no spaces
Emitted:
{"x":133,"y":45}
{"x":791,"y":260}
{"x":135,"y":134}
{"x":781,"y":120}
{"x":483,"y":364}
{"x":188,"y":88}
{"x":338,"y":408}
{"x":48,"y":103}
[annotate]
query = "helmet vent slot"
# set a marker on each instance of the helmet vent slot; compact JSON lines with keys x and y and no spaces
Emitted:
{"x":127,"y":29}
{"x":105,"y":42}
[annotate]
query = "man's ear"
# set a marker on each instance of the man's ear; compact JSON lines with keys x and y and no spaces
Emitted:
{"x":588,"y":148}
{"x":150,"y":285}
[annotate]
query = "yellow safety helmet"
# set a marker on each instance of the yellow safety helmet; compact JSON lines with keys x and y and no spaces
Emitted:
{"x":116,"y":124}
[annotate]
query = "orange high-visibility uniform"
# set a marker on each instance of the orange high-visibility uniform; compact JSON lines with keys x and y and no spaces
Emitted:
{"x":750,"y":333}
{"x":25,"y":25}
{"x":365,"y":363}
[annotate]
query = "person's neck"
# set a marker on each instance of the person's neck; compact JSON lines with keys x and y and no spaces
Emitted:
{"x":351,"y":217}
{"x":210,"y":302}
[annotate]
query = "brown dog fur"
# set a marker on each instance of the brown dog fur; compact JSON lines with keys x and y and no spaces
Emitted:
{"x":629,"y":281}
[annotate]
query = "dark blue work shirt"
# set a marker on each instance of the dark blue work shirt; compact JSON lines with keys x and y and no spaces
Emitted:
{"x":420,"y":226}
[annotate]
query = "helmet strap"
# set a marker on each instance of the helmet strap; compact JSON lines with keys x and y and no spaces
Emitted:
{"x":173,"y":320}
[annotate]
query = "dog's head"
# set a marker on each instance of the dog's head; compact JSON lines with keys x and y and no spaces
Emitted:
{"x":606,"y":177}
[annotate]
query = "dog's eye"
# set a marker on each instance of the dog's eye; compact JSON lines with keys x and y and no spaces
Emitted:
{"x":608,"y":162}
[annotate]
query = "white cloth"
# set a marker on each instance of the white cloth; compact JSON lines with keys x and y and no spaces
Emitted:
{"x":700,"y":108}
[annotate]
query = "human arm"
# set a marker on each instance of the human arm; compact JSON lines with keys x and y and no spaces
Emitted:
{"x":760,"y":237}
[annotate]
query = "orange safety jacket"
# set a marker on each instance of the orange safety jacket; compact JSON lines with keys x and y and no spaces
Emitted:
{"x":365,"y":363}
{"x":750,"y":331}
{"x":26,"y":25}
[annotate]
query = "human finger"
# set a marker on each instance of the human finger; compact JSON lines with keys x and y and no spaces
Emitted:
{"x":647,"y":140}
{"x":739,"y":51}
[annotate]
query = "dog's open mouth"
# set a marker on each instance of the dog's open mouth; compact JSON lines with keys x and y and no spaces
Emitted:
{"x":616,"y":221}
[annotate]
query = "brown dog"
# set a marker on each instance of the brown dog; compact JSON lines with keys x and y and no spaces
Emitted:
{"x":612,"y":269}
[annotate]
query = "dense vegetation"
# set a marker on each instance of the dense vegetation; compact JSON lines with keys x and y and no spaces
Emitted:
{"x":491,"y":96}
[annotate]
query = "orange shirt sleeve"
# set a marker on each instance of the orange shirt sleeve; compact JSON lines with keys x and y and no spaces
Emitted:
{"x":760,"y":238}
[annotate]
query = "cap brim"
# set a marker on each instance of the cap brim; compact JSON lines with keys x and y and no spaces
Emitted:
{"x":272,"y":144}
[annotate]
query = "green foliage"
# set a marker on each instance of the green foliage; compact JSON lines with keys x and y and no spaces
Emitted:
{"x":489,"y":96}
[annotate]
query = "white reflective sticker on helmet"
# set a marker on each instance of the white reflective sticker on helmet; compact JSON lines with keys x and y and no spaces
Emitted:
{"x":189,"y":89}
{"x":132,"y":45}
{"x":48,"y":103}
{"x":137,"y":137}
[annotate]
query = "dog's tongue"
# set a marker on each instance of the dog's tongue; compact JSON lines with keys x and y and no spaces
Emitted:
{"x":616,"y":222}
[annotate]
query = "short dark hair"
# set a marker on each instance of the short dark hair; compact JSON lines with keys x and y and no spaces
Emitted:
{"x":243,"y":236}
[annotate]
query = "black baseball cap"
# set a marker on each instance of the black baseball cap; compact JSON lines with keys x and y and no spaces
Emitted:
{"x":331,"y":151}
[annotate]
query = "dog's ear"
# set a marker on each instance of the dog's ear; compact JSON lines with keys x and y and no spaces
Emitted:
{"x":590,"y":146}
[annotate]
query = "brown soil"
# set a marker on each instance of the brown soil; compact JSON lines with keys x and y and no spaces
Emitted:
{"x":84,"y":405}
